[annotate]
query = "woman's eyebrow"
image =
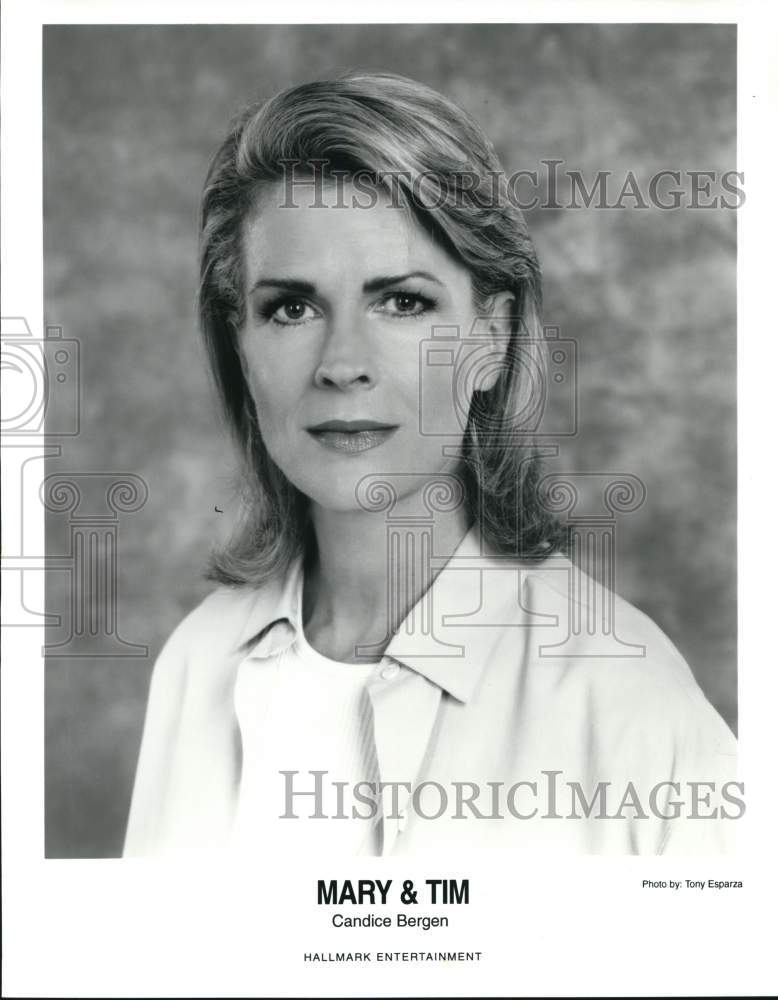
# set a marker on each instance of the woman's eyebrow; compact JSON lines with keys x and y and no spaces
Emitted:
{"x":292,"y":284}
{"x":374,"y":285}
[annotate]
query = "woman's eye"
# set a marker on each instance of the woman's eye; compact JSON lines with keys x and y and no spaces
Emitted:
{"x":406,"y":304}
{"x":290,"y":312}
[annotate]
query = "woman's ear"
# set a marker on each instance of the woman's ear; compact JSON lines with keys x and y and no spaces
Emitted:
{"x":499,"y":325}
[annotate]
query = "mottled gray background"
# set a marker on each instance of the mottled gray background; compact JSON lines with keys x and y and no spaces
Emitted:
{"x":131,"y":117}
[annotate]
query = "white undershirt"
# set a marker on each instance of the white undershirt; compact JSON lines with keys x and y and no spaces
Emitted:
{"x":316,"y":716}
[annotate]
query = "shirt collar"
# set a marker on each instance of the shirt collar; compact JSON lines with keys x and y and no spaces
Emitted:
{"x":452,"y":654}
{"x":275,"y":615}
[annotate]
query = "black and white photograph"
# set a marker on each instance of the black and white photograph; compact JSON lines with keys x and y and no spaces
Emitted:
{"x":453,"y":322}
{"x":374,"y":494}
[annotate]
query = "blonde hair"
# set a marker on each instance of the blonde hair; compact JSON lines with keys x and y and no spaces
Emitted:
{"x":448,"y":174}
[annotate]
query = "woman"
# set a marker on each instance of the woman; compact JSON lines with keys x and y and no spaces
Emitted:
{"x":389,"y":663}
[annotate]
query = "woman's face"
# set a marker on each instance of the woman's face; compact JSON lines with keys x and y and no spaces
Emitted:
{"x":339,"y":303}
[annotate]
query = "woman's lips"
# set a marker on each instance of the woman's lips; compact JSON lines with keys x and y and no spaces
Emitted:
{"x":352,"y":441}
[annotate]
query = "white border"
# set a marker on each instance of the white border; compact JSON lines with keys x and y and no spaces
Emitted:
{"x":583,"y":927}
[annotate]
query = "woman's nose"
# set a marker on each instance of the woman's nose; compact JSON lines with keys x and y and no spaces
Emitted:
{"x":344,"y":361}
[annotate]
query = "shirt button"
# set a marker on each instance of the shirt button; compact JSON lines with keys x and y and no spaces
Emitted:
{"x":390,"y":670}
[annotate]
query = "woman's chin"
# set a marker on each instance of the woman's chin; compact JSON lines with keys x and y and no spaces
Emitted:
{"x":329,"y":495}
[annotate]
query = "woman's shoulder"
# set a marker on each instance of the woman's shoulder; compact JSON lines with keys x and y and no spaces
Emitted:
{"x":222,"y":621}
{"x":220,"y":607}
{"x":587,"y":632}
{"x":223,"y":605}
{"x":594,"y":613}
{"x":592,"y":646}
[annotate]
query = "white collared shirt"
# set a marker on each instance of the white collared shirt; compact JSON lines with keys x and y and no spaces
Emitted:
{"x":301,"y":712}
{"x":539,"y":710}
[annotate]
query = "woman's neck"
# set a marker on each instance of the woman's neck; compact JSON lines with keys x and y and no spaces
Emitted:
{"x":357,"y":587}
